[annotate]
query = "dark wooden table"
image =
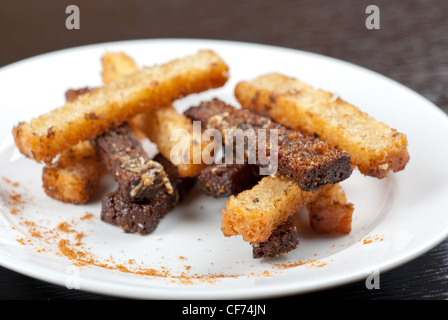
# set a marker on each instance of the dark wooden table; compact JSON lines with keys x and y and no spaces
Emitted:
{"x":411,"y":47}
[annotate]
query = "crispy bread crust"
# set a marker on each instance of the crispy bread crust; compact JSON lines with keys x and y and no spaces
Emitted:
{"x":115,"y":66}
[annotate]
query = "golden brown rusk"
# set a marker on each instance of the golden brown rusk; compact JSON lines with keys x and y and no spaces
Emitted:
{"x":374,"y":147}
{"x":107,"y":107}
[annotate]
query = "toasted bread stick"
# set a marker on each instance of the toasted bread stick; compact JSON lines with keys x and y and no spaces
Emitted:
{"x":157,"y":125}
{"x":224,"y":180}
{"x":144,"y":218}
{"x":330,"y":212}
{"x":255,"y":213}
{"x":374,"y":147}
{"x":93,"y":113}
{"x":309,"y":162}
{"x":139,"y":178}
{"x":76,"y":174}
{"x":115,"y":66}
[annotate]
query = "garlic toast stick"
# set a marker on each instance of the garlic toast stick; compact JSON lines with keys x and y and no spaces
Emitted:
{"x":374,"y":147}
{"x":93,"y":113}
{"x":309,"y":162}
{"x":157,"y":125}
{"x":329,"y":212}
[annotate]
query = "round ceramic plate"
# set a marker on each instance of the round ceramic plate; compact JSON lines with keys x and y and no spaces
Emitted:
{"x":395,"y":219}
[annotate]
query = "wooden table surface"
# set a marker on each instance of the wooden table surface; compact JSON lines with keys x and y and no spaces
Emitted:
{"x":411,"y":47}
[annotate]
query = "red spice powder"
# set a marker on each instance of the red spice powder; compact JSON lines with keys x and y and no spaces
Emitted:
{"x":68,"y":243}
{"x":88,"y":215}
{"x":81,"y":256}
{"x":16,"y":201}
{"x":14,"y":184}
{"x":371,"y":239}
{"x":64,"y":226}
{"x":313,"y":263}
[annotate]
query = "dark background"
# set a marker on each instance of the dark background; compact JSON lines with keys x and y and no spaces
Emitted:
{"x":411,"y":47}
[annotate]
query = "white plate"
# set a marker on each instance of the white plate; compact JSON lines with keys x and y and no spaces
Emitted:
{"x":401,"y":217}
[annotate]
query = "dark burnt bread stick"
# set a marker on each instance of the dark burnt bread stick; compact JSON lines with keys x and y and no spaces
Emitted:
{"x":306,"y":160}
{"x":139,"y":178}
{"x":220,"y":180}
{"x":143,"y":218}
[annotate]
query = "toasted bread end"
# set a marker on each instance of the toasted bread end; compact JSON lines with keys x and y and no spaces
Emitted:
{"x":25,"y":141}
